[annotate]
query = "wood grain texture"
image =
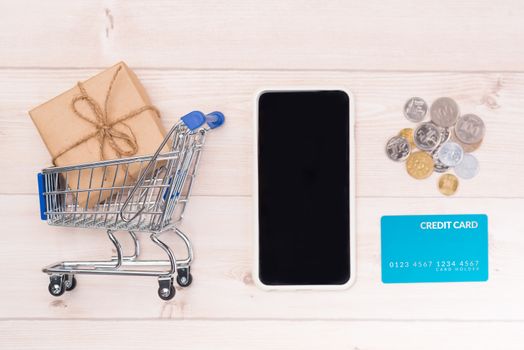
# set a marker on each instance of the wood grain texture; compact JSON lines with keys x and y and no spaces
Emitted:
{"x":211,"y":55}
{"x":242,"y":334}
{"x":223,"y":288}
{"x":227,"y":163}
{"x":336,"y":34}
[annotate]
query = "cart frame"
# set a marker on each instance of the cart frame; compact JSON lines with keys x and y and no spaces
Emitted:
{"x":149,"y":204}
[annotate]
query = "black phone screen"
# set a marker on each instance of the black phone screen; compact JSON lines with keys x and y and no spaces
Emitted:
{"x":303,"y":187}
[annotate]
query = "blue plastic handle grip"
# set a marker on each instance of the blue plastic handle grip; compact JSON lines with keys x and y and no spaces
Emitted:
{"x":166,"y":191}
{"x":194,"y":120}
{"x":41,"y":190}
{"x":215,"y":119}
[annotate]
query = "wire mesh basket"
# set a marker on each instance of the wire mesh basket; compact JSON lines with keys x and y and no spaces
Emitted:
{"x":135,"y":194}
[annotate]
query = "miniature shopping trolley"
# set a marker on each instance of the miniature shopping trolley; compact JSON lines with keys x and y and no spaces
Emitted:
{"x":152,"y":201}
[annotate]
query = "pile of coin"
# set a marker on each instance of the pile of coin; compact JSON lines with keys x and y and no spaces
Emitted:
{"x":439,"y":145}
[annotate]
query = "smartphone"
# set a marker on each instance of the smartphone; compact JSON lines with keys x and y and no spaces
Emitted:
{"x":304,"y":189}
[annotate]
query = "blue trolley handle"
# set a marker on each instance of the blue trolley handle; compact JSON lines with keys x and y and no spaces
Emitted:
{"x":215,"y":119}
{"x":41,"y":196}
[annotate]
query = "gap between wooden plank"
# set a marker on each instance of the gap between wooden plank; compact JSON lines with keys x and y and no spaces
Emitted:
{"x":261,"y":319}
{"x":358,"y":196}
{"x":263,"y":70}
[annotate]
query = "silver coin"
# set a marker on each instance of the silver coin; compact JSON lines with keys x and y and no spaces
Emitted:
{"x":415,"y":109}
{"x":438,"y":166}
{"x":450,"y":154}
{"x":470,"y":129}
{"x":398,"y":148}
{"x":426,"y":136}
{"x":468,"y":168}
{"x":444,"y":112}
{"x":445,"y":135}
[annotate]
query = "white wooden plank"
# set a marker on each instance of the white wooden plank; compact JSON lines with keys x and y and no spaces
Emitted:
{"x":221,"y":230}
{"x":402,"y":35}
{"x":227,"y":162}
{"x":227,"y":334}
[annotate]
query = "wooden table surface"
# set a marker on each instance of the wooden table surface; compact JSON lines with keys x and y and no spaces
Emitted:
{"x":213,"y":55}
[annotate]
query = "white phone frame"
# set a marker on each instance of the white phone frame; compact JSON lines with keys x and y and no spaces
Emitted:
{"x":352,"y":188}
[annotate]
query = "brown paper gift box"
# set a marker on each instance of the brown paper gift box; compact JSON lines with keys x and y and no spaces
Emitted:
{"x":61,"y":128}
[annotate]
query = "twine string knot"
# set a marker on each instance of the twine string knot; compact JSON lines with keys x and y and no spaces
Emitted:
{"x":105,"y":130}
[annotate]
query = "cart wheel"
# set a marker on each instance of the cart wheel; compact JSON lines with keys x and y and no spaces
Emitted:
{"x":166,"y":293}
{"x":70,"y":283}
{"x":56,"y":286}
{"x":184,"y":281}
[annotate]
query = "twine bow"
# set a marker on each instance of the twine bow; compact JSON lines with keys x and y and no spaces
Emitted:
{"x":105,"y":129}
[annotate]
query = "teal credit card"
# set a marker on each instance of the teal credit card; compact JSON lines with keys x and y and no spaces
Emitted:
{"x":434,"y":248}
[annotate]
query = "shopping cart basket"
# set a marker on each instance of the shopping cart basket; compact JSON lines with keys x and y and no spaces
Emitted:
{"x":153,"y":201}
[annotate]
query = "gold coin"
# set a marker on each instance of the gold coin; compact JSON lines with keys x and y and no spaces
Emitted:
{"x":468,"y":148}
{"x":419,"y":165}
{"x":448,"y":184}
{"x":407,"y":133}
